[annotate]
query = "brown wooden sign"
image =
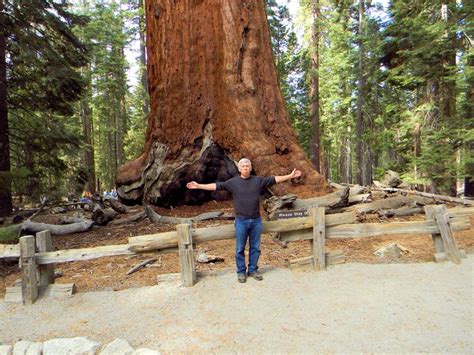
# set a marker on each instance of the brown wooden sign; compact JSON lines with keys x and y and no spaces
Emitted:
{"x":291,"y":214}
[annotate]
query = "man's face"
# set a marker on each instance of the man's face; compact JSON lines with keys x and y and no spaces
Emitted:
{"x":245,"y":169}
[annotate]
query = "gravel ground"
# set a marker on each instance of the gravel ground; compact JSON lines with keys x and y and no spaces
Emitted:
{"x":348,"y":308}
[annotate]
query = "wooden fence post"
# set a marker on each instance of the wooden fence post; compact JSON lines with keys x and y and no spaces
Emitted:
{"x":186,"y":255}
{"x":29,"y":278}
{"x":46,"y":272}
{"x":319,"y":236}
{"x":444,"y":242}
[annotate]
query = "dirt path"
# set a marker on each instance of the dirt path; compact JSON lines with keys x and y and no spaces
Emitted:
{"x":422,"y":307}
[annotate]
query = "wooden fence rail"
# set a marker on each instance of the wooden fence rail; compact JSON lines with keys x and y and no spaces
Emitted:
{"x":440,"y":223}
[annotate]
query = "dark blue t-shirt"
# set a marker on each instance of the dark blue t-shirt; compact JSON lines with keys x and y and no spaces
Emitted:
{"x":246,"y":193}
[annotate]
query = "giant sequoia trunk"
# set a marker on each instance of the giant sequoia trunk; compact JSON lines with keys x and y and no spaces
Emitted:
{"x":215,"y":98}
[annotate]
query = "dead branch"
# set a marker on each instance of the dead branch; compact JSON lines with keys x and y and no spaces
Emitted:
{"x":141,"y":265}
{"x":277,"y":239}
{"x":41,"y":207}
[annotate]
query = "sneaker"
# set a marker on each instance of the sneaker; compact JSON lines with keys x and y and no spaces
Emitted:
{"x":256,"y":275}
{"x":241,"y":278}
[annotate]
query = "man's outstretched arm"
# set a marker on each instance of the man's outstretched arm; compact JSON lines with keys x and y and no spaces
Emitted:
{"x":193,"y":185}
{"x":294,"y":174}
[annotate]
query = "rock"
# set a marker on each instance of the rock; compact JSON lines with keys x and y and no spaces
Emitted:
{"x":6,"y":349}
{"x":20,"y":347}
{"x":79,"y":345}
{"x":202,"y":257}
{"x":35,"y":349}
{"x":117,"y":347}
{"x":145,"y":351}
{"x":391,"y":250}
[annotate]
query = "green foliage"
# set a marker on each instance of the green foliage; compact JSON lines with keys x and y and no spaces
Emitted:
{"x":420,"y":48}
{"x":108,"y":34}
{"x":43,"y":81}
{"x":412,"y":79}
{"x":43,"y":56}
{"x":135,"y":138}
{"x":10,"y":233}
{"x":291,"y":64}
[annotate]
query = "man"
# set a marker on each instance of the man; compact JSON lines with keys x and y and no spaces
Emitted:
{"x":246,"y":190}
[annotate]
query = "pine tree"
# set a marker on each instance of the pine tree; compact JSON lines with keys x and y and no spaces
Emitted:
{"x":42,"y":81}
{"x":421,"y":42}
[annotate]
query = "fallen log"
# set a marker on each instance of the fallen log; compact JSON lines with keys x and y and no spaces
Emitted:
{"x":400,"y":212}
{"x":391,"y":204}
{"x":157,"y":218}
{"x":71,"y":219}
{"x":332,"y":201}
{"x":354,"y":189}
{"x":77,"y":227}
{"x":275,"y":203}
{"x":116,"y":205}
{"x":436,"y":198}
{"x":133,"y":218}
{"x":21,"y":215}
{"x":103,"y":216}
{"x":391,"y":179}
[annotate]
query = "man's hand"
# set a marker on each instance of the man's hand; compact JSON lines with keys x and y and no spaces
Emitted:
{"x":192,"y":185}
{"x":295,"y":173}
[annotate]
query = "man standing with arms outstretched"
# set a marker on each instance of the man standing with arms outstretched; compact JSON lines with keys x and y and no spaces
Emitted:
{"x":246,"y":190}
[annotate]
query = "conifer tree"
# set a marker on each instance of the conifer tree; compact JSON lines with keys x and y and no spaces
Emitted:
{"x":42,"y":57}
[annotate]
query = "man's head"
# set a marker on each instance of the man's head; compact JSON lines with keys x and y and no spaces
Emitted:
{"x":245,"y":167}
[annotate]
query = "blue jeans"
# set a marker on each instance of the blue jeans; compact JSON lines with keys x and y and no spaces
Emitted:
{"x":251,"y":229}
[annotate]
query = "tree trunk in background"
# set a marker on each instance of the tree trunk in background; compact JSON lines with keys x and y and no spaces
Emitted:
{"x":416,"y":148}
{"x":143,"y":72}
{"x":215,"y":98}
{"x":120,"y":131}
{"x":364,"y":171}
{"x":314,"y":87}
{"x":345,"y":159}
{"x":5,"y":177}
{"x":120,"y":122}
{"x":469,"y":112}
{"x":88,"y":158}
{"x":448,"y":86}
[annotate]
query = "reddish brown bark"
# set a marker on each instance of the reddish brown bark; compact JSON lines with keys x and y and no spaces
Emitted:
{"x":215,"y":98}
